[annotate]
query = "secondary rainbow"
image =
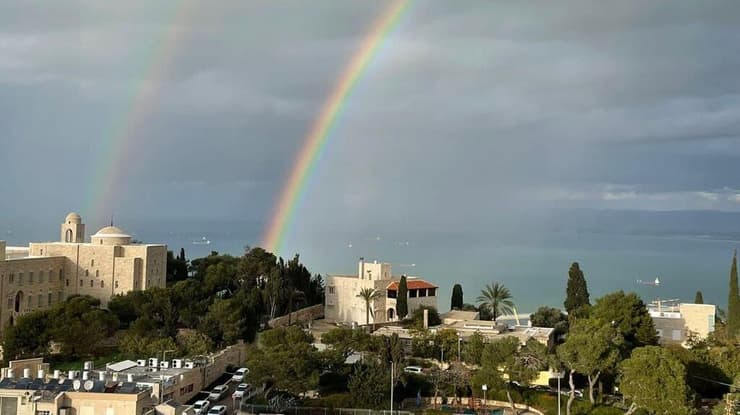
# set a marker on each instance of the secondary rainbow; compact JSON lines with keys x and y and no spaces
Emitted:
{"x":318,"y":137}
{"x":117,"y":155}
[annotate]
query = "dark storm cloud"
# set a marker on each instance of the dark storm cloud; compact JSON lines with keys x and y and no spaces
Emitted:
{"x":467,"y":109}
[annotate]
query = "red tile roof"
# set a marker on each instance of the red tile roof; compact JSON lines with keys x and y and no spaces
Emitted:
{"x":412,"y":285}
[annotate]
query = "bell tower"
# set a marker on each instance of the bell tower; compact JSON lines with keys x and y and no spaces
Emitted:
{"x":73,"y":230}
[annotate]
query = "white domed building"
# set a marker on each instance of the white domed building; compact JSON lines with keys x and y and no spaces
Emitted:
{"x":48,"y":272}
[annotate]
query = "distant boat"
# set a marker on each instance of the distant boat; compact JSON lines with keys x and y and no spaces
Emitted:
{"x":654,"y":283}
{"x":203,"y":241}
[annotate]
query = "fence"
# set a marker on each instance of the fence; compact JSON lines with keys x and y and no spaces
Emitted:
{"x":301,"y":410}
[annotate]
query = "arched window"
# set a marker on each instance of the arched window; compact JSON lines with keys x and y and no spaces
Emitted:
{"x":68,"y":236}
{"x":391,"y":314}
{"x":102,"y":284}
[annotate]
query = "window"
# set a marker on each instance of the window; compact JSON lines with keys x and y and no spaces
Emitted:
{"x":49,"y":299}
{"x":41,"y":277}
{"x":431,"y":292}
{"x":91,"y":283}
{"x":413,"y":293}
{"x":61,"y":275}
{"x":116,"y":283}
{"x":676,"y":335}
{"x":102,"y":284}
{"x":92,"y":262}
{"x":422,"y":292}
{"x":97,"y":273}
{"x":40,"y":301}
{"x":81,"y":283}
{"x":30,"y":277}
{"x":392,"y":294}
{"x":12,"y":277}
{"x":87,"y":273}
{"x":43,"y":412}
{"x":20,"y":278}
{"x":41,"y":252}
{"x":67,"y":283}
{"x":331,"y":290}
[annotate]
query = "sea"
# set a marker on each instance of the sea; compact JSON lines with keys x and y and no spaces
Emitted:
{"x":686,"y":250}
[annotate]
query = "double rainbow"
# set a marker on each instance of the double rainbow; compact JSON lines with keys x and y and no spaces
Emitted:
{"x":317,"y":138}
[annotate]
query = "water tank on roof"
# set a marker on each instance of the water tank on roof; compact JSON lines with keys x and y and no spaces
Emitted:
{"x":27,"y":373}
{"x":88,"y":365}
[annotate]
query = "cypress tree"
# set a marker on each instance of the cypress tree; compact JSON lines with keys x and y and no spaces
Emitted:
{"x":699,"y":299}
{"x":577,"y":291}
{"x":402,"y":304}
{"x":457,"y":297}
{"x":733,"y":301}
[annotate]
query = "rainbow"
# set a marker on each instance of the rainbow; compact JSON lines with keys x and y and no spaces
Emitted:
{"x":318,"y":136}
{"x":117,"y":152}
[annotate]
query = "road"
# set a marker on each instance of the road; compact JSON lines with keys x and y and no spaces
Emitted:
{"x":228,"y":401}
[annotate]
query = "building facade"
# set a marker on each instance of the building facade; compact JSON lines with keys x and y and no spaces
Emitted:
{"x":45,"y":273}
{"x":343,"y":303}
{"x":678,"y":322}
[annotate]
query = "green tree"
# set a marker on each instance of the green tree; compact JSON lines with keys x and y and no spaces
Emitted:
{"x":505,"y":361}
{"x":550,"y":317}
{"x":592,"y":348}
{"x":699,"y":298}
{"x":81,"y":326}
{"x":630,"y":315}
{"x":369,"y":295}
{"x":733,"y":301}
{"x":369,"y":385}
{"x":286,"y":359}
{"x":345,"y":341}
{"x":456,"y":302}
{"x":473,"y":349}
{"x":402,"y":302}
{"x":577,"y":297}
{"x":655,"y":380}
{"x":28,"y":337}
{"x":193,"y":343}
{"x":496,"y":299}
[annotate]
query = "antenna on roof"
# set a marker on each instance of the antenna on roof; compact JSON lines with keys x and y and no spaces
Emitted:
{"x":111,"y":219}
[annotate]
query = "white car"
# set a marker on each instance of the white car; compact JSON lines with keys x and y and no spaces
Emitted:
{"x":241,"y":390}
{"x":201,"y":407}
{"x":217,"y":410}
{"x":239,"y":374}
{"x":413,"y":369}
{"x":218,"y":393}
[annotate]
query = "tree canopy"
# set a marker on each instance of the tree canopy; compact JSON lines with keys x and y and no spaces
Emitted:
{"x":630,"y":315}
{"x":577,"y":297}
{"x":496,"y":298}
{"x":655,"y":380}
{"x":456,"y":302}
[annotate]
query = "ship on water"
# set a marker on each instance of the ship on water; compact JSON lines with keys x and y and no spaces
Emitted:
{"x":654,"y":283}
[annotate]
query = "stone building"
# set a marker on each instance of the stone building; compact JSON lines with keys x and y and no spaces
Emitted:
{"x":45,"y":273}
{"x":344,"y":305}
{"x":677,"y":322}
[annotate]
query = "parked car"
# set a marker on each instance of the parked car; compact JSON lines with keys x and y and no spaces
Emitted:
{"x":413,"y":369}
{"x":241,"y":390}
{"x":239,"y":374}
{"x":201,"y":407}
{"x":218,"y":393}
{"x":217,"y":410}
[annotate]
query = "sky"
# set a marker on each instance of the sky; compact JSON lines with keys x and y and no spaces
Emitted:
{"x":470,"y":110}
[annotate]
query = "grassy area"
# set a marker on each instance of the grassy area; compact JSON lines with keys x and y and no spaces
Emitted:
{"x":64,"y":365}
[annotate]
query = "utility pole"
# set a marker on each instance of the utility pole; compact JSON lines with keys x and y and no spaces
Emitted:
{"x":392,"y":366}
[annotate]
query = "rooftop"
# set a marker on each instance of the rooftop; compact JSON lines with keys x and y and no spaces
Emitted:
{"x":412,"y":284}
{"x":48,"y":390}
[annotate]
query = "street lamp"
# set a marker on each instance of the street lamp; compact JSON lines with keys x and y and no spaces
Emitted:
{"x":560,"y":376}
{"x":459,"y":341}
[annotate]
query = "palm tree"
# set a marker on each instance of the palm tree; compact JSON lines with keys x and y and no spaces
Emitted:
{"x":369,"y":294}
{"x":497,"y":299}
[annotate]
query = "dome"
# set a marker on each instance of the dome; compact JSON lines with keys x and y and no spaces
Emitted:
{"x":73,"y":217}
{"x":111,"y":232}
